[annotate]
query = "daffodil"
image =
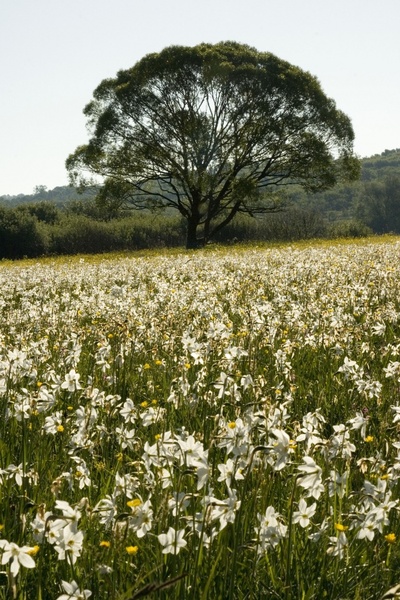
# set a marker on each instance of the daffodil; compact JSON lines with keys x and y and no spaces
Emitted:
{"x":172,"y":541}
{"x":305,"y":513}
{"x":73,"y":591}
{"x":18,"y":555}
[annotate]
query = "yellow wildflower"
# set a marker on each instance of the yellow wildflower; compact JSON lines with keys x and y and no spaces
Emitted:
{"x":132,"y":549}
{"x":134,"y":503}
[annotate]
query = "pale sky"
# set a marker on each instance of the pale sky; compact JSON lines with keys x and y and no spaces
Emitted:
{"x":54,"y":53}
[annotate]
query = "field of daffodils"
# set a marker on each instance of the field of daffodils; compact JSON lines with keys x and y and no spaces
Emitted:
{"x":223,"y":424}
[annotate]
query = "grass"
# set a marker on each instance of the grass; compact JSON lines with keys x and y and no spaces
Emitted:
{"x":217,"y":424}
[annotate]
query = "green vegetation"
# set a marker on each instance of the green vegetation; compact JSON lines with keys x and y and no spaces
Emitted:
{"x":210,"y":425}
{"x":62,"y":221}
{"x":212,"y":131}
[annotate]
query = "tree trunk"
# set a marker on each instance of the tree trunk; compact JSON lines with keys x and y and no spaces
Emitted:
{"x":191,"y":235}
{"x":193,"y":221}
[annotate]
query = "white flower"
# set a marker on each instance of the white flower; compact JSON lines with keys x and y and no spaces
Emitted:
{"x":350,"y":369}
{"x":228,"y":509}
{"x":281,"y":448}
{"x":192,"y":451}
{"x":18,"y":555}
{"x":396,"y":410}
{"x":126,"y":437}
{"x":338,"y":483}
{"x":367,"y":529}
{"x":172,"y":541}
{"x":338,"y":545}
{"x":179,"y":501}
{"x":360,"y":422}
{"x":312,"y":480}
{"x":73,"y":591}
{"x":379,"y":329}
{"x":70,"y":515}
{"x":107,"y":509}
{"x":38,"y":526}
{"x":52,"y":422}
{"x":339,"y":443}
{"x":271,"y":530}
{"x":69,"y":544}
{"x":16,"y":472}
{"x":151,"y":416}
{"x":304,"y":514}
{"x":141,"y":520}
{"x":71,"y":382}
{"x":128,"y":412}
{"x":229,"y":470}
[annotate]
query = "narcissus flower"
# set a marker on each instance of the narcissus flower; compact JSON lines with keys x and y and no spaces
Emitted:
{"x":17,"y":555}
{"x":73,"y":591}
{"x":172,"y":541}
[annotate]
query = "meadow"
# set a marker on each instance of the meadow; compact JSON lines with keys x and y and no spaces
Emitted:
{"x":223,"y":424}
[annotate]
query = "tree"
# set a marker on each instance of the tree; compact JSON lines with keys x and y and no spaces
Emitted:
{"x":212,"y":131}
{"x":379,"y":205}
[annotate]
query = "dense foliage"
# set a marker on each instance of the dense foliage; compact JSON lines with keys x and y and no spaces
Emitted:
{"x":210,"y":425}
{"x":212,"y":131}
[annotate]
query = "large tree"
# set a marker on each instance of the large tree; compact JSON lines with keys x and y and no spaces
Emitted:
{"x":212,"y":130}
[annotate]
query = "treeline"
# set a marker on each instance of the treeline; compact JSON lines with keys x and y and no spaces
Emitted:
{"x":60,"y":221}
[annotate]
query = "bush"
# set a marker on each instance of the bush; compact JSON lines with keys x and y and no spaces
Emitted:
{"x":76,"y":234}
{"x":289,"y":225}
{"x":21,"y":235}
{"x":348,"y":229}
{"x":46,"y":212}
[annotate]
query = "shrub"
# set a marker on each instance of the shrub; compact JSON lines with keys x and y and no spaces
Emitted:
{"x":289,"y":225}
{"x":348,"y":229}
{"x":21,"y":235}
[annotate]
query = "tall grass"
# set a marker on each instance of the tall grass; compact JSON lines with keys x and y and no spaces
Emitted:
{"x":201,"y":425}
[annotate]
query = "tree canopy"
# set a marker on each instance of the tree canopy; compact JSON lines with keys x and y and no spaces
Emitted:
{"x":212,"y":130}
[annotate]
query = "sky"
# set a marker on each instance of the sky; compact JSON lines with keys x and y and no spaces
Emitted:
{"x":54,"y":53}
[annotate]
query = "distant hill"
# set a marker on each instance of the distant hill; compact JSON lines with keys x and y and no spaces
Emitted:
{"x":60,"y":196}
{"x":381,"y":165}
{"x":344,"y":200}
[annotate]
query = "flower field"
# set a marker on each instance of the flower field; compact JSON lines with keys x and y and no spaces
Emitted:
{"x":212,"y":425}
